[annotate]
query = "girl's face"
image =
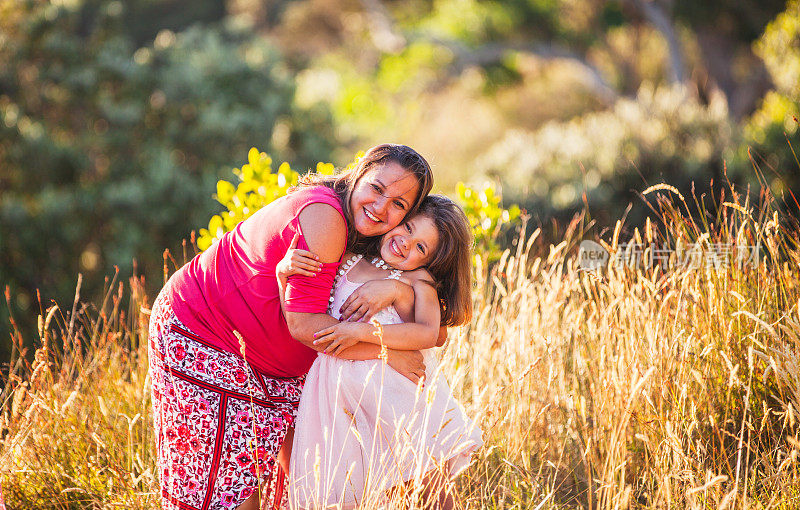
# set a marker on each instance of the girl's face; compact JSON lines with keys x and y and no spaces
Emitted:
{"x":382,"y":197}
{"x":410,"y":245}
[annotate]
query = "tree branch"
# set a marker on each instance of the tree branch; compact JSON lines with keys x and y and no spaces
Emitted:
{"x":388,"y":39}
{"x":381,"y":27}
{"x":491,"y":53}
{"x":656,"y":16}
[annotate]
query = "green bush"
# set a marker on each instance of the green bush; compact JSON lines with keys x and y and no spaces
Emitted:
{"x":108,"y":151}
{"x":770,"y":133}
{"x":662,"y":135}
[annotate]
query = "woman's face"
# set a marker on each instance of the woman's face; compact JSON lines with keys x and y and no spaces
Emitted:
{"x":382,"y":197}
{"x":410,"y":245}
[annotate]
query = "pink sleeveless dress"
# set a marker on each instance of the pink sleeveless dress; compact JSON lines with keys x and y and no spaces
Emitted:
{"x":363,"y":428}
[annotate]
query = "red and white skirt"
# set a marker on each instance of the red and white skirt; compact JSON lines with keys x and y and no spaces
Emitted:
{"x":219,"y":423}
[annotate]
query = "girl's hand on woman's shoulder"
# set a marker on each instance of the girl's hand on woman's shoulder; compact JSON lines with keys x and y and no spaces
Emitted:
{"x":297,"y":261}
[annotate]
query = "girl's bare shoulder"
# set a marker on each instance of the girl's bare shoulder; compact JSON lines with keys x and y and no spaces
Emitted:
{"x":417,"y":275}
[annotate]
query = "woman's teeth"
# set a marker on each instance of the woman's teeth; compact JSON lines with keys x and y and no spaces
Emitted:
{"x":371,"y":216}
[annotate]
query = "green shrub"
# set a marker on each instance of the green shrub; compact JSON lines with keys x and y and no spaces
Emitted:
{"x":663,"y":134}
{"x":771,"y":131}
{"x":108,"y":150}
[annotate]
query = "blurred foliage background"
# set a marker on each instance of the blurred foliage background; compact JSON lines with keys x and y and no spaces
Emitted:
{"x":117,"y":119}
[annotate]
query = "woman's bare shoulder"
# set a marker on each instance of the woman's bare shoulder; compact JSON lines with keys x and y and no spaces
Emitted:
{"x":325,"y":231}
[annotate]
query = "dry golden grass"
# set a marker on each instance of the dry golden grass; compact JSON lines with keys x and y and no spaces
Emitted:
{"x":77,"y":428}
{"x":675,"y":388}
{"x":638,"y":388}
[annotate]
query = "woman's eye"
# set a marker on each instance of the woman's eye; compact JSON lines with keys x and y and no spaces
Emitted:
{"x":376,"y":188}
{"x":399,"y":204}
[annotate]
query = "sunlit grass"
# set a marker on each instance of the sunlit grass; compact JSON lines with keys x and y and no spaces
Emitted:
{"x":632,"y":387}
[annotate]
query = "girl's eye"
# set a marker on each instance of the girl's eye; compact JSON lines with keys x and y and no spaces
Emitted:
{"x":421,"y":248}
{"x":408,"y":227}
{"x":376,"y":188}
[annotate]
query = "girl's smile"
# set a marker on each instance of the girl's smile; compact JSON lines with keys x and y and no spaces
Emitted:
{"x":410,"y":245}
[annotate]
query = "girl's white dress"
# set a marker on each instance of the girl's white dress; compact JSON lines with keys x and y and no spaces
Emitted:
{"x":363,"y":428}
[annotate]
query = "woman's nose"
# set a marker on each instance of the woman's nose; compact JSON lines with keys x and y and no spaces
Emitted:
{"x":380,"y":204}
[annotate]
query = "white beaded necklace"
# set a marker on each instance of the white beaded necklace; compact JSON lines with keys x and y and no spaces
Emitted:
{"x":394,"y":274}
{"x":380,"y":263}
{"x":352,"y":261}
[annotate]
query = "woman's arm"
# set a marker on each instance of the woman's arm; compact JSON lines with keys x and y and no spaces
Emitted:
{"x":325,"y":233}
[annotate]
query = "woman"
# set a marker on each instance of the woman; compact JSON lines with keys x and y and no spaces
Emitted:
{"x":226,"y":366}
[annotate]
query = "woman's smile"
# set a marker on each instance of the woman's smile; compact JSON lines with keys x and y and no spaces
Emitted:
{"x":371,"y":216}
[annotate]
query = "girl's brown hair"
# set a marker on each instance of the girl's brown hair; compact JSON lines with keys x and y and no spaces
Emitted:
{"x":451,"y":265}
{"x":344,"y":182}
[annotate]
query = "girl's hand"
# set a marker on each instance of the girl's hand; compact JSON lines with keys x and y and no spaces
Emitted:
{"x":343,"y":335}
{"x":409,"y":364}
{"x":372,"y":297}
{"x":297,"y":262}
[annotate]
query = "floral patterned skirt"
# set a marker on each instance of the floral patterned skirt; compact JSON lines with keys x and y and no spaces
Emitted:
{"x":219,"y":423}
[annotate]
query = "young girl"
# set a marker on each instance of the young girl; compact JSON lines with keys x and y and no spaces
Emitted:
{"x":361,"y":427}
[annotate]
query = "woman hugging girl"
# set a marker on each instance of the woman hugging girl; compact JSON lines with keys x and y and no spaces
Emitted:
{"x":363,"y":431}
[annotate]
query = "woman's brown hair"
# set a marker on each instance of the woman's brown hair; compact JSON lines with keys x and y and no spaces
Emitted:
{"x":451,"y":265}
{"x":344,"y":182}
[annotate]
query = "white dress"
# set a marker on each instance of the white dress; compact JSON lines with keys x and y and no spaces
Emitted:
{"x":363,"y":428}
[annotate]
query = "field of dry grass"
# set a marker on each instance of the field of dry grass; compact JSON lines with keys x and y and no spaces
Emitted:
{"x":633,"y":387}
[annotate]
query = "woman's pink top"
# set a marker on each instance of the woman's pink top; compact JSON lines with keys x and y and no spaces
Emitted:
{"x":232,"y":286}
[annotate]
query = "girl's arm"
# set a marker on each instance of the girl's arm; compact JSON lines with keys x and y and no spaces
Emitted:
{"x":442,"y":336}
{"x":362,"y":303}
{"x":376,"y":295}
{"x":421,"y":334}
{"x":297,"y":261}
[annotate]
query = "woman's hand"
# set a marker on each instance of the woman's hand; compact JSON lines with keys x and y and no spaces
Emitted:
{"x":297,"y":262}
{"x":409,"y":364}
{"x":343,"y":335}
{"x":371,"y":297}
